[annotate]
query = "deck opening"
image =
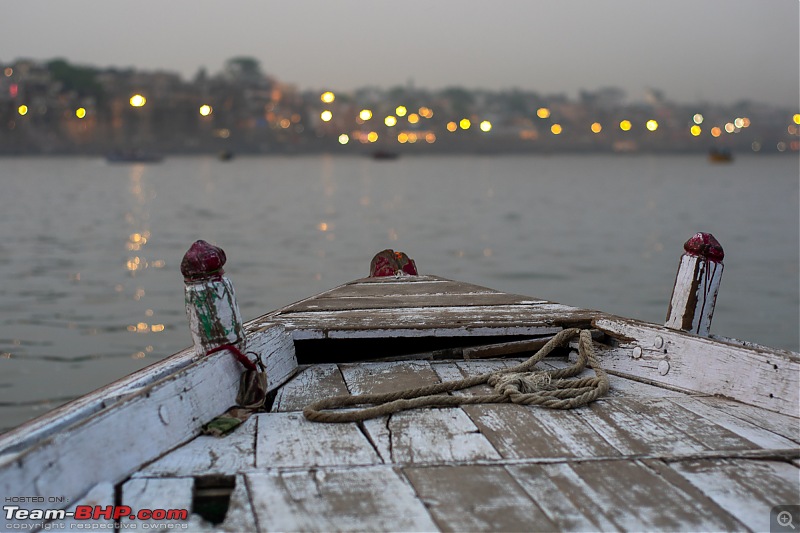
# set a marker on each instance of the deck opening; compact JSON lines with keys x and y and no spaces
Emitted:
{"x":317,"y":351}
{"x":212,"y":496}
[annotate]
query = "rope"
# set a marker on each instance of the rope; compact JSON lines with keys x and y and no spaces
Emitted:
{"x":237,"y":353}
{"x":520,"y":384}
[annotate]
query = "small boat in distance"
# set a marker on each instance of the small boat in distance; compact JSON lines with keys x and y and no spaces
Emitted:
{"x":225,"y":155}
{"x":384,"y":155}
{"x":133,"y":156}
{"x":720,"y":156}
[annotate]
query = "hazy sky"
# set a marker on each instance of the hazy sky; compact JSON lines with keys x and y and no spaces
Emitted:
{"x":711,"y":50}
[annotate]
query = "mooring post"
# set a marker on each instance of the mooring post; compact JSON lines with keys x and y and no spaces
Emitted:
{"x":696,"y":285}
{"x":210,"y":301}
{"x":390,"y":263}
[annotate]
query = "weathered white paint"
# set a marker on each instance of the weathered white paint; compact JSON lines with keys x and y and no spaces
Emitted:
{"x":151,"y":493}
{"x":627,"y":494}
{"x":724,"y":418}
{"x":306,"y":331}
{"x":760,"y":377}
{"x":436,"y":436}
{"x":124,"y":436}
{"x":274,"y":347}
{"x":309,"y":385}
{"x":289,"y":440}
{"x":358,"y":499}
{"x":207,"y":455}
{"x":38,"y":429}
{"x":694,"y":296}
{"x":214,"y":318}
{"x":745,"y":489}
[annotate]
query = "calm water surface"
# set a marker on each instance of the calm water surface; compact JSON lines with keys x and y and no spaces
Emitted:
{"x":90,"y":252}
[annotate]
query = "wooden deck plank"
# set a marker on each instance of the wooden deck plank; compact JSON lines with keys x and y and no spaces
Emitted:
{"x":207,"y":455}
{"x":476,"y":498}
{"x":784,"y":425}
{"x":359,"y":499}
{"x":750,"y":374}
{"x":437,"y":436}
{"x":457,"y":370}
{"x":724,"y":414}
{"x":376,"y":378}
{"x":240,"y":516}
{"x":160,"y":493}
{"x":746,"y":489}
{"x":638,"y":427}
{"x":404,"y":301}
{"x":474,"y":316}
{"x":563,"y":496}
{"x":627,"y":493}
{"x":416,"y":285}
{"x":309,"y":385}
{"x":521,"y":432}
{"x":289,"y":440}
{"x":101,"y":495}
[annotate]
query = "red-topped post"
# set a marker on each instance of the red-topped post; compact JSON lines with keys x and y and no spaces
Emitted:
{"x":696,"y":285}
{"x":210,"y":301}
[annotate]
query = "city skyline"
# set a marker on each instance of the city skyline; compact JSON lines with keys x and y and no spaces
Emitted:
{"x":718,"y":51}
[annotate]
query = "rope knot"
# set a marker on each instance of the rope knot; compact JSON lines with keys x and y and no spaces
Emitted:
{"x":511,"y":383}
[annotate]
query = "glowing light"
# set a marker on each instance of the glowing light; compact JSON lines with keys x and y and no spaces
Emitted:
{"x":327,"y":97}
{"x":596,"y":127}
{"x":372,"y":136}
{"x":464,"y":123}
{"x":426,"y":112}
{"x":556,"y":129}
{"x":739,"y":122}
{"x":412,"y":137}
{"x":402,"y":138}
{"x":155,"y":328}
{"x":486,"y":126}
{"x":716,"y":132}
{"x":696,"y":130}
{"x":452,"y":126}
{"x":80,"y":112}
{"x":326,"y":116}
{"x":205,"y":110}
{"x":22,"y":110}
{"x":543,"y":112}
{"x":390,"y":121}
{"x":697,"y":118}
{"x":796,"y":118}
{"x":365,"y":114}
{"x":400,"y":111}
{"x":344,"y":138}
{"x":430,"y":137}
{"x":792,"y":129}
{"x":625,"y":125}
{"x":137,"y":100}
{"x":746,"y":122}
{"x":729,"y":127}
{"x":8,"y":72}
{"x":413,"y":118}
{"x":285,"y":123}
{"x":652,"y":125}
{"x":322,"y":226}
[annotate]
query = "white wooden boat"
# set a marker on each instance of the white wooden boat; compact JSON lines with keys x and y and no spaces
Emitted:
{"x":695,"y":434}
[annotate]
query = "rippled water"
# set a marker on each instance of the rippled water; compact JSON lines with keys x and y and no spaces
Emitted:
{"x":89,"y":252}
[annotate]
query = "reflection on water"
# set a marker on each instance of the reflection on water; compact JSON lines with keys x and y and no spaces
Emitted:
{"x":89,"y":252}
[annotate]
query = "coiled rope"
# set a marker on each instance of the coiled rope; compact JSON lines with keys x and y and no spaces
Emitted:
{"x":520,"y":384}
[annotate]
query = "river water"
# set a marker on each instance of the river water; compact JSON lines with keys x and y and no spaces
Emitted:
{"x":90,"y":252}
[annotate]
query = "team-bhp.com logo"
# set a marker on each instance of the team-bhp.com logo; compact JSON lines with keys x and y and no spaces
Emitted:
{"x":117,"y":513}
